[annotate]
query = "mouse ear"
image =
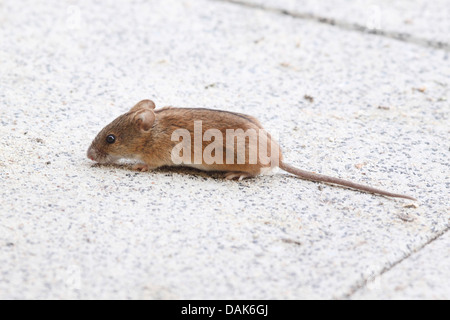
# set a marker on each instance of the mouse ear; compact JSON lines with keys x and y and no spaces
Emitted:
{"x":144,"y":119}
{"x":144,"y":104}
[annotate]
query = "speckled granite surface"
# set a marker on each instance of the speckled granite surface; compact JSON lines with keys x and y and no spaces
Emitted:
{"x":408,"y":278}
{"x":419,"y":21}
{"x":379,"y":115}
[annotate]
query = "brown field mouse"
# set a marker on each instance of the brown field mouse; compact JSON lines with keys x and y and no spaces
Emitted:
{"x":152,"y":137}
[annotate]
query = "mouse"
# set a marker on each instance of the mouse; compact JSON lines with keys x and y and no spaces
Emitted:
{"x":241,"y":148}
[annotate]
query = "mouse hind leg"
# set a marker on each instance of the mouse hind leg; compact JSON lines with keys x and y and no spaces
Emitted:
{"x":238,"y":175}
{"x":239,"y":172}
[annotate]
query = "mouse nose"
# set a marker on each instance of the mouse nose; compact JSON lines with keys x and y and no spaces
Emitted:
{"x":91,"y":154}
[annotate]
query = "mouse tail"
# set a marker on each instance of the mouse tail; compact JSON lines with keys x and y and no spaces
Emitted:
{"x":306,"y":175}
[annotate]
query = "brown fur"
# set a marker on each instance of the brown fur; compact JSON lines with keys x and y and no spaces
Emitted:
{"x":154,"y":146}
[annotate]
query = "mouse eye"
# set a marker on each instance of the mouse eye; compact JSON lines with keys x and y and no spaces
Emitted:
{"x":111,"y":139}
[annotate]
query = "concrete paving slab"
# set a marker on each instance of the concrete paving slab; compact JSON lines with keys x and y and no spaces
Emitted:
{"x":420,"y":21}
{"x":425,"y":275}
{"x":353,"y":105}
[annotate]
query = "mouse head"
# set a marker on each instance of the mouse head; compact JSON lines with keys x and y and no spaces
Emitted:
{"x":124,"y":137}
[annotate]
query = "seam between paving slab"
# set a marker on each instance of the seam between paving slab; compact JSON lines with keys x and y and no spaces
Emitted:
{"x":401,"y":36}
{"x":363,"y":283}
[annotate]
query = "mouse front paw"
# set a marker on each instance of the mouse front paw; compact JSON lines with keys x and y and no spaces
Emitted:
{"x":142,"y":167}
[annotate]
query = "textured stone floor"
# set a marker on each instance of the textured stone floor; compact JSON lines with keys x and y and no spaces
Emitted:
{"x":365,"y":107}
